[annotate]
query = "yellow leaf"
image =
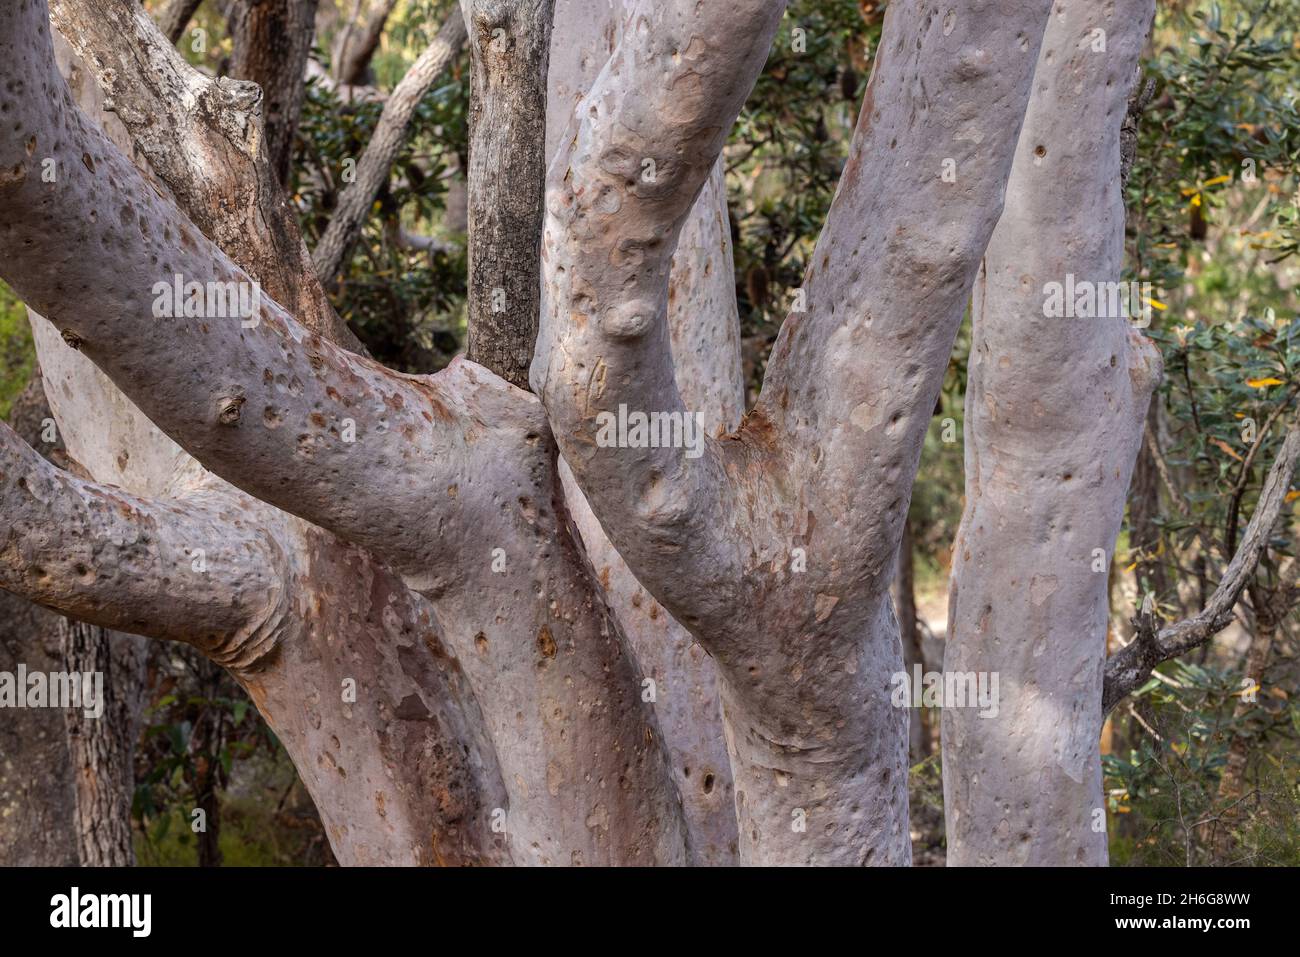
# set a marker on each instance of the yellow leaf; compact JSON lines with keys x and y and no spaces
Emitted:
{"x":1217,"y":180}
{"x":1226,"y":447}
{"x":1156,"y":303}
{"x":1123,"y":809}
{"x":1263,"y":383}
{"x":1131,"y":567}
{"x":1191,"y":190}
{"x":1292,"y":495}
{"x":1196,"y":200}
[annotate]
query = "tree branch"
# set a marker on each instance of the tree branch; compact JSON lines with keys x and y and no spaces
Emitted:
{"x":353,"y":53}
{"x":259,"y":399}
{"x":893,"y":267}
{"x":1130,"y":667}
{"x":203,"y":571}
{"x":626,"y":175}
{"x":509,"y":49}
{"x":202,"y":138}
{"x":390,"y":133}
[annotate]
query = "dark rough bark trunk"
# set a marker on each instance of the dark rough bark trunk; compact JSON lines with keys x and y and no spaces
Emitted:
{"x":36,"y":804}
{"x":909,"y":629}
{"x":1143,"y":511}
{"x":208,"y":742}
{"x":102,"y":748}
{"x":272,"y":39}
{"x":357,"y":47}
{"x":510,"y":51}
{"x":175,"y":17}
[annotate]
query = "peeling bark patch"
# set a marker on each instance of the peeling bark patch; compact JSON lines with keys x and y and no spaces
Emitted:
{"x":1042,"y":587}
{"x":230,"y":409}
{"x":866,"y":415}
{"x":13,"y":176}
{"x":546,"y":642}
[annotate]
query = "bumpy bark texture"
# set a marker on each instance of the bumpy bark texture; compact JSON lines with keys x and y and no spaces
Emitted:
{"x":581,"y":759}
{"x":1054,"y":416}
{"x":706,"y":357}
{"x":203,"y":138}
{"x":818,"y":752}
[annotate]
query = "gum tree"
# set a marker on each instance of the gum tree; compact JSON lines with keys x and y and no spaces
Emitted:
{"x":484,"y":634}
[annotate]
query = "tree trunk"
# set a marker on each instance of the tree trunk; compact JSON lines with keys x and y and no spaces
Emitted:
{"x":819,"y":752}
{"x":1048,"y":461}
{"x":909,"y":631}
{"x":36,"y":802}
{"x":175,"y":17}
{"x":37,"y":808}
{"x":43,"y":819}
{"x":272,"y":39}
{"x":356,"y":47}
{"x":509,"y":43}
{"x":102,"y":748}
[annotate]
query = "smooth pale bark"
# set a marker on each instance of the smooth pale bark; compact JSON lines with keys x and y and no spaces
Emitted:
{"x":85,"y":775}
{"x":464,"y":450}
{"x":824,"y":464}
{"x":291,"y":614}
{"x":434,"y":775}
{"x":706,"y":356}
{"x":390,"y":133}
{"x":707,"y":360}
{"x":272,"y":39}
{"x":1054,"y":416}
